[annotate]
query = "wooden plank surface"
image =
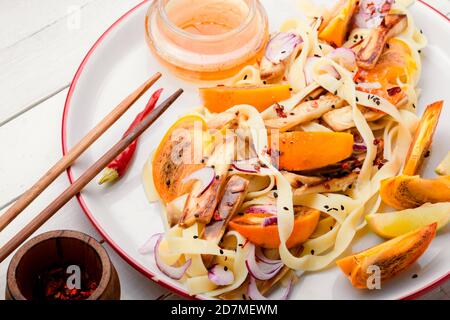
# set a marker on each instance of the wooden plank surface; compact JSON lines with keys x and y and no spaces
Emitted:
{"x":42,"y":61}
{"x":41,"y":45}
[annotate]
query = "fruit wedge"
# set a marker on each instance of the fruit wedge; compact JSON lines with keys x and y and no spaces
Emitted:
{"x":186,"y":139}
{"x":299,"y":150}
{"x":391,"y":257}
{"x":219,"y":99}
{"x":393,"y":224}
{"x":422,"y":139}
{"x":403,"y":192}
{"x":335,"y":27}
{"x":443,"y":169}
{"x":252,"y":227}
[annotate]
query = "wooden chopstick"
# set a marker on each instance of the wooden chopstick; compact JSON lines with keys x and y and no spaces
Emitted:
{"x":65,"y":162}
{"x":85,"y":178}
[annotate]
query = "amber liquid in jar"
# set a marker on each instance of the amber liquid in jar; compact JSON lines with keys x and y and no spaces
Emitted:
{"x":206,"y":39}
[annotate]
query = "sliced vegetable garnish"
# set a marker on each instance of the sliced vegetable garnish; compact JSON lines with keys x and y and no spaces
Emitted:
{"x":205,"y":175}
{"x":220,"y":275}
{"x":173,"y":272}
{"x":423,"y":139}
{"x":254,"y":294}
{"x":392,"y":257}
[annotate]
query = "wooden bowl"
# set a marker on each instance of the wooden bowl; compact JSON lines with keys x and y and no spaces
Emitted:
{"x":60,"y":248}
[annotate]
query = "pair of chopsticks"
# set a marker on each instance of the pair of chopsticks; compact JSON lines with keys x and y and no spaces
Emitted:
{"x":90,"y":173}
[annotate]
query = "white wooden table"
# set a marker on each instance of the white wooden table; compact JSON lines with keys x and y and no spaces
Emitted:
{"x":42,"y":42}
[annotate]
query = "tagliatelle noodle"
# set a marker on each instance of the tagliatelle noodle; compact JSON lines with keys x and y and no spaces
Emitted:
{"x":195,"y":246}
{"x":197,"y":267}
{"x":290,"y":103}
{"x":247,"y":76}
{"x":263,"y":191}
{"x":313,"y":126}
{"x":239,"y":269}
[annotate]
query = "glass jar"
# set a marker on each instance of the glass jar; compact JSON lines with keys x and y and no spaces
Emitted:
{"x":206,"y":39}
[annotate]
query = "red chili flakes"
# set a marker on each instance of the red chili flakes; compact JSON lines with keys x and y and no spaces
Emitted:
{"x":279,"y":109}
{"x":52,"y":285}
{"x":393,"y":91}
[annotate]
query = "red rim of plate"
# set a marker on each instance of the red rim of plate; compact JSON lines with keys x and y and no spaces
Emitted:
{"x":105,"y":235}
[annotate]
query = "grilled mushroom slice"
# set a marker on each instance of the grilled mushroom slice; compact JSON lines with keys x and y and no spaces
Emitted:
{"x":200,"y":207}
{"x":297,"y":180}
{"x":342,"y":119}
{"x":370,"y":50}
{"x":305,"y":112}
{"x":232,"y":199}
{"x":332,"y":185}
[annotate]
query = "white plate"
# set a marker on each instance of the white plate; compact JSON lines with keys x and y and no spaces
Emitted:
{"x":120,"y":61}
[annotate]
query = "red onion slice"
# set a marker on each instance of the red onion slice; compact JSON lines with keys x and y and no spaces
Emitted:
{"x":359,"y":147}
{"x":345,"y":57}
{"x":220,"y":275}
{"x":269,"y":209}
{"x":371,"y":13}
{"x":261,"y":257}
{"x":261,"y":271}
{"x":308,"y":69}
{"x":269,"y":221}
{"x":149,"y":245}
{"x":205,"y":175}
{"x":173,"y":272}
{"x":281,"y":46}
{"x":254,"y":294}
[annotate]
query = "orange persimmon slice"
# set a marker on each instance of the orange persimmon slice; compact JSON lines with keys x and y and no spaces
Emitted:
{"x":219,"y":99}
{"x":187,"y":133}
{"x":422,"y":139}
{"x":250,"y":226}
{"x":391,"y":257}
{"x":298,"y":150}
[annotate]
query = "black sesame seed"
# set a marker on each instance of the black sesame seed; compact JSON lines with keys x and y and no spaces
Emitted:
{"x":290,"y":89}
{"x":421,"y":31}
{"x":342,"y":207}
{"x":419,"y":51}
{"x":196,"y":215}
{"x":241,"y":245}
{"x":275,"y":195}
{"x":168,"y":183}
{"x":355,"y":36}
{"x":286,"y":208}
{"x":312,"y":252}
{"x":333,"y":106}
{"x":414,"y":276}
{"x":225,"y":268}
{"x":414,"y":106}
{"x":283,"y":52}
{"x":357,"y":99}
{"x":326,"y":206}
{"x":213,"y":166}
{"x":217,"y":177}
{"x":203,"y":161}
{"x":264,"y":82}
{"x":244,"y":297}
{"x":387,"y":45}
{"x":195,"y":237}
{"x":320,"y":47}
{"x":427,"y":154}
{"x":245,"y":77}
{"x":335,"y":92}
{"x":331,"y":227}
{"x":221,"y":251}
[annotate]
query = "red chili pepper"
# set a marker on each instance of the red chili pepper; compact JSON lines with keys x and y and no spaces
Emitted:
{"x":117,"y":168}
